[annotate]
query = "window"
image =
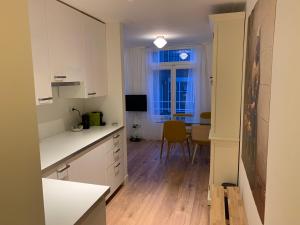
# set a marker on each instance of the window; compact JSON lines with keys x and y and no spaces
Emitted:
{"x":184,"y":91}
{"x":178,"y":55}
{"x":173,"y":82}
{"x":162,"y":95}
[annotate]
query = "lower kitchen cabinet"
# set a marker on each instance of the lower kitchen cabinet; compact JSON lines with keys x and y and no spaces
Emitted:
{"x":115,"y":176}
{"x":89,"y":167}
{"x":101,"y":164}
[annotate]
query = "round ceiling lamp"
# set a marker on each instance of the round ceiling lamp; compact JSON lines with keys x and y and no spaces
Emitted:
{"x":183,"y":55}
{"x":160,"y":42}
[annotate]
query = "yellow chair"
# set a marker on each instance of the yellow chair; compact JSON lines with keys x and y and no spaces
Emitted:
{"x":174,"y":132}
{"x":200,"y":134}
{"x":188,"y":127}
{"x":182,"y":115}
{"x":205,"y":115}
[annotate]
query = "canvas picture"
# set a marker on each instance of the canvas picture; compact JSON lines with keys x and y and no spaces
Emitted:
{"x":257,"y":89}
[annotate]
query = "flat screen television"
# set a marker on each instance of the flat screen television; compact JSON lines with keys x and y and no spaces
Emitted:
{"x":136,"y":103}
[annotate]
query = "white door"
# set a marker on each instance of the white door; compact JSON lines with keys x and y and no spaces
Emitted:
{"x":96,"y":68}
{"x":40,"y":51}
{"x":66,"y":42}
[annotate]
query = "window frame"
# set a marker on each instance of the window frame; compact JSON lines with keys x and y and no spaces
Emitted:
{"x":173,"y":66}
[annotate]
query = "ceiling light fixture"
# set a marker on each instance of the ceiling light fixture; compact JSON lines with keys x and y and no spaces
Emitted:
{"x":183,"y":55}
{"x":160,"y":42}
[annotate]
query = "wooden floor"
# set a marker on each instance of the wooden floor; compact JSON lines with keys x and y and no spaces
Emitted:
{"x":160,"y":192}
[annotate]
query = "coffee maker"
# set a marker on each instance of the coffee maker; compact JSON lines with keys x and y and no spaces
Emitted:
{"x":102,"y":123}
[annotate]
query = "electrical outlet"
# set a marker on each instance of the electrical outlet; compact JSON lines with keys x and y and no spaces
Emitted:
{"x":71,"y":109}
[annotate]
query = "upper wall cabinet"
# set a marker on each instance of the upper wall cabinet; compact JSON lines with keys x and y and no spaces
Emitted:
{"x":40,"y":54}
{"x":66,"y":42}
{"x":77,"y":46}
{"x":67,"y":46}
{"x":96,"y":84}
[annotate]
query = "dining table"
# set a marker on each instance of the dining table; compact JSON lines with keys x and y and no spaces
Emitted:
{"x":189,"y":121}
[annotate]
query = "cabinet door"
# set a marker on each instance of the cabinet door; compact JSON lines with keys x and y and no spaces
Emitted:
{"x":66,"y":42}
{"x":89,"y":168}
{"x":40,"y":53}
{"x":96,"y":69}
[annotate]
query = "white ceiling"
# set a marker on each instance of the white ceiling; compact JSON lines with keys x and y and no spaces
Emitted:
{"x":180,"y":21}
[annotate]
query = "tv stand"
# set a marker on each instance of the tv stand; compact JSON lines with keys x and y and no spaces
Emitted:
{"x":135,"y":139}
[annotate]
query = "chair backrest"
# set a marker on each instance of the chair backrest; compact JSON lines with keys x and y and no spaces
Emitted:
{"x":174,"y":131}
{"x":200,"y":133}
{"x":182,"y":115}
{"x":205,"y":115}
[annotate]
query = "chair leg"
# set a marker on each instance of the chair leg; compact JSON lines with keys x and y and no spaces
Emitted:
{"x":161,"y":147}
{"x":194,"y":154}
{"x":182,"y":147}
{"x":188,"y":147}
{"x":168,"y":150}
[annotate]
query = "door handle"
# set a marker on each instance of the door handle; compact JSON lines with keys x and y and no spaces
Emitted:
{"x":63,"y":169}
{"x":117,"y":151}
{"x":60,"y":77}
{"x":116,"y":136}
{"x":45,"y":99}
{"x":92,"y":93}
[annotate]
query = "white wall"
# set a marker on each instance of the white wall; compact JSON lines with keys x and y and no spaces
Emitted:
{"x":136,"y":83}
{"x":21,"y":199}
{"x":282,"y":192}
{"x":57,"y":117}
{"x":283,"y":178}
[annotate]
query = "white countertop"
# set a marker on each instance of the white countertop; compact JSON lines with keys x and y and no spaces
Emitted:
{"x":57,"y":148}
{"x":66,"y":202}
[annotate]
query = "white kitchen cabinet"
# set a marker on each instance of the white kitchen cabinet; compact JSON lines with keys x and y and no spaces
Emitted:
{"x":90,"y":167}
{"x":115,"y":176}
{"x":67,"y":46}
{"x":115,"y":169}
{"x":40,"y":51}
{"x":96,"y":65}
{"x":66,"y":42}
{"x":102,"y":163}
{"x":228,"y":30}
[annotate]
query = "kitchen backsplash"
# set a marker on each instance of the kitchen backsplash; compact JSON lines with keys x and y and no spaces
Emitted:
{"x":57,"y":117}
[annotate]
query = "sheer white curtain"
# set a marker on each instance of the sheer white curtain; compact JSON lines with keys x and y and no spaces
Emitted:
{"x":199,"y":80}
{"x":152,"y":72}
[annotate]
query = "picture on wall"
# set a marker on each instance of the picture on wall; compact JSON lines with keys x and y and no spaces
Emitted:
{"x":257,"y":90}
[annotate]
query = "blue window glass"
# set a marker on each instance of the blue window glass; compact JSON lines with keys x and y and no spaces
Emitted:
{"x":184,"y":91}
{"x":176,"y":55}
{"x":162,"y":92}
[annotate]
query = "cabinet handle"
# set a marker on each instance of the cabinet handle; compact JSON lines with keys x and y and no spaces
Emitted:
{"x":118,"y":165}
{"x":45,"y":99}
{"x":63,"y":169}
{"x":116,"y":136}
{"x":117,"y":150}
{"x":60,"y":77}
{"x":93,"y":93}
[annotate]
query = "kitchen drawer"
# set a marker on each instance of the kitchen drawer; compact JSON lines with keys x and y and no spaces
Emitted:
{"x":115,"y":175}
{"x":117,"y":140}
{"x":114,"y":155}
